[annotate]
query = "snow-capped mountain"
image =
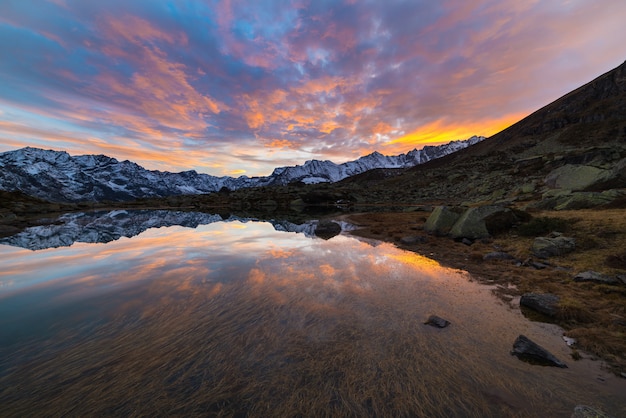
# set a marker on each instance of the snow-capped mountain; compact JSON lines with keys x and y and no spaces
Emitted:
{"x":107,"y":226}
{"x":57,"y":176}
{"x":315,"y":171}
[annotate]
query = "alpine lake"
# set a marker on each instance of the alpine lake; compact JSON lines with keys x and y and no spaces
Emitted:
{"x":154,"y":313}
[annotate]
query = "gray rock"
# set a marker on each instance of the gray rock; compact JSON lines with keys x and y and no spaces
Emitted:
{"x":527,"y":188}
{"x":545,"y":303}
{"x":576,"y":177}
{"x":594,"y":276}
{"x":584,"y":411}
{"x":545,"y":247}
{"x":586,"y":200}
{"x":531,"y":352}
{"x":503,"y":220}
{"x":616,"y":179}
{"x":472,"y":225}
{"x":436,"y":321}
{"x":413,"y":239}
{"x":441,"y":220}
{"x":498,"y":255}
{"x":537,"y":265}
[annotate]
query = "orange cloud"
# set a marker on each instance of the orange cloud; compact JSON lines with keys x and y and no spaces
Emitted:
{"x":301,"y":108}
{"x":159,"y":93}
{"x":439,"y":132}
{"x":278,"y":143}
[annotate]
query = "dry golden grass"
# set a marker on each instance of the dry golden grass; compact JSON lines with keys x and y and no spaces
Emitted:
{"x":599,"y":234}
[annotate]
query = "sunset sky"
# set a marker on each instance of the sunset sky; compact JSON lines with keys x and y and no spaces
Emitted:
{"x":240,"y":87}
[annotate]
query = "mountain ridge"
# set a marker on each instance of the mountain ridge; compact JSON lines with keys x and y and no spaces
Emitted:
{"x":58,"y":177}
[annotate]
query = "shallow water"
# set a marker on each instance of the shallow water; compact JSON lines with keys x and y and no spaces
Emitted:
{"x":237,"y":318}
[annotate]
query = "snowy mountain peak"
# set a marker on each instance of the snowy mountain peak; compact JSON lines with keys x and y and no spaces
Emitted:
{"x":57,"y":176}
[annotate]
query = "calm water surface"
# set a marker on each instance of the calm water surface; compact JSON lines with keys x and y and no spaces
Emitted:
{"x":240,"y":319}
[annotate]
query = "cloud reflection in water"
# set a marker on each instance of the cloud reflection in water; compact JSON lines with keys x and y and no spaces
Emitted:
{"x":236,"y":317}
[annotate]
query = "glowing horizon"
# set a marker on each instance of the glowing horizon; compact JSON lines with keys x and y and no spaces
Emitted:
{"x":236,"y":87}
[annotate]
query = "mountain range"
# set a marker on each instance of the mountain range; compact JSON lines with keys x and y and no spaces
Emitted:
{"x":58,"y":177}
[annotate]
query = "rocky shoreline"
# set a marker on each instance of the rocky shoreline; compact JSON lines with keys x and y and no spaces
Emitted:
{"x":574,"y":279}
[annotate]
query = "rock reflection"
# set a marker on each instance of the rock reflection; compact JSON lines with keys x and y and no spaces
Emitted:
{"x":238,"y":319}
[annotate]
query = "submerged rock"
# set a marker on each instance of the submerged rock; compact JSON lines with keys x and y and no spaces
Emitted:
{"x":531,"y":352}
{"x":545,"y":303}
{"x":436,"y":321}
{"x":584,"y":411}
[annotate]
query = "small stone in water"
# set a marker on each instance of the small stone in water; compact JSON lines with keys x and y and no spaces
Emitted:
{"x":436,"y":321}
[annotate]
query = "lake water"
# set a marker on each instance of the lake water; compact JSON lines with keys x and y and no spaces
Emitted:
{"x":127,"y":314}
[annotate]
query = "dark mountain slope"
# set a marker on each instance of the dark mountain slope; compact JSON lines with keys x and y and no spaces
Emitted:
{"x":585,"y":127}
{"x":595,"y":112}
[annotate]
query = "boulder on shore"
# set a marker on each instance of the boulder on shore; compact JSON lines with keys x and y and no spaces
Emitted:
{"x":545,"y":247}
{"x":594,"y":276}
{"x":498,"y":255}
{"x":545,"y":303}
{"x":531,"y":352}
{"x":471,"y":224}
{"x":441,"y":220}
{"x":413,"y":239}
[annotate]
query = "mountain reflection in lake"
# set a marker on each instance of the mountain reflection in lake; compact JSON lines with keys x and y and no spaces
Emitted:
{"x":239,"y":319}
